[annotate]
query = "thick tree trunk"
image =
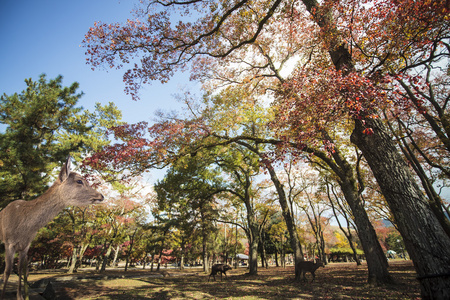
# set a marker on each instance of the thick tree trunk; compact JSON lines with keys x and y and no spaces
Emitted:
{"x":253,"y":257}
{"x":435,"y":200}
{"x":426,"y":241}
{"x":377,"y":264}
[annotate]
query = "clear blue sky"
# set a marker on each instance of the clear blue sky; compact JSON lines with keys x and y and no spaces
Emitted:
{"x":44,"y":36}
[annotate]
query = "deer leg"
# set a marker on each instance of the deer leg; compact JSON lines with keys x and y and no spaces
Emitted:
{"x":20,"y":269}
{"x":313,"y":277}
{"x":23,"y":267}
{"x":9,"y":260}
{"x":19,"y":287}
{"x":304,"y":276}
{"x":213,"y":275}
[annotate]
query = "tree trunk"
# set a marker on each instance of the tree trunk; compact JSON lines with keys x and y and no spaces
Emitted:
{"x":106,"y":258}
{"x":377,"y":264}
{"x":130,"y":249}
{"x":253,"y":239}
{"x":144,"y":259}
{"x":253,"y":257}
{"x":83,"y":249}
{"x":153,"y":260}
{"x":161,"y":249}
{"x":73,"y":261}
{"x":426,"y":241}
{"x":205,"y":253}
{"x":182,"y":257}
{"x":116,"y":255}
{"x":276,"y":258}
{"x":290,"y":224}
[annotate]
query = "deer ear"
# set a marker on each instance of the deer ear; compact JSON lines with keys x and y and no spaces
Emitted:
{"x":65,"y":170}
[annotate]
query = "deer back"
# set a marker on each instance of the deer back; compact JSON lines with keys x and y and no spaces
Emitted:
{"x":310,"y":266}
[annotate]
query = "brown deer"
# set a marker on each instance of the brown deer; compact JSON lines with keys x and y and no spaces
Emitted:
{"x":20,"y":220}
{"x":309,"y":266}
{"x":219,"y":268}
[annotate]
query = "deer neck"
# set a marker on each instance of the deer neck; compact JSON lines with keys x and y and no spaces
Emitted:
{"x":46,"y":206}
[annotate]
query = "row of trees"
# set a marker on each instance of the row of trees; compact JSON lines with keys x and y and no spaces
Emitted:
{"x":119,"y":230}
{"x":189,"y":202}
{"x":357,"y":88}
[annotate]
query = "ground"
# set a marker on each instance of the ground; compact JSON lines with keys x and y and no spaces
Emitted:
{"x":335,"y":281}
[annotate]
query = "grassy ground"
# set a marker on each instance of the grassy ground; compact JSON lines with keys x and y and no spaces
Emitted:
{"x":335,"y":281}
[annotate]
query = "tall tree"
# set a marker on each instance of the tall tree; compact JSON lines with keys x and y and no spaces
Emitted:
{"x":242,"y":167}
{"x":187,"y":195}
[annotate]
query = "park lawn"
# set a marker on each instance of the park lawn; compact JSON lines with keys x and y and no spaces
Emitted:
{"x":335,"y":281}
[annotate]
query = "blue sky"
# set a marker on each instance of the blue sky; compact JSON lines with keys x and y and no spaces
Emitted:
{"x":44,"y":36}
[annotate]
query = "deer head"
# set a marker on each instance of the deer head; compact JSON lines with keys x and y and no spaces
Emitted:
{"x":74,"y":189}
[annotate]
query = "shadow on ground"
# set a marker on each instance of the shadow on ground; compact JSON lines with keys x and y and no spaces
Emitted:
{"x":336,"y":281}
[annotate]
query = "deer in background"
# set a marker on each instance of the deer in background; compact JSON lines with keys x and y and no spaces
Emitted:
{"x":20,"y":220}
{"x":309,"y":266}
{"x":219,"y":268}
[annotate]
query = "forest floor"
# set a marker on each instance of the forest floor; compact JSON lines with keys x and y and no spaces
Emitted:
{"x":335,"y":281}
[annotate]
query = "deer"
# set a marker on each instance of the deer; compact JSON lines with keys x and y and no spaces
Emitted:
{"x":309,"y":266}
{"x":20,"y":220}
{"x":219,"y":268}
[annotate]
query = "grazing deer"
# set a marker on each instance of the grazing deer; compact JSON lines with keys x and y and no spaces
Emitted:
{"x":219,"y":268}
{"x":20,"y":220}
{"x":309,"y":266}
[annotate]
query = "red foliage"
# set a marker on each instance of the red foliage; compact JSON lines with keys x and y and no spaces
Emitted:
{"x":140,"y":147}
{"x":317,"y":99}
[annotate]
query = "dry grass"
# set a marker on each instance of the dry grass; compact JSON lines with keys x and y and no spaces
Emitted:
{"x":336,"y":281}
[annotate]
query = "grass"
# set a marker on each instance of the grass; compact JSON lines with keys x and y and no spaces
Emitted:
{"x":335,"y":281}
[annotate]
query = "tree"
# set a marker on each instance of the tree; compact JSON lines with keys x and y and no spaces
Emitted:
{"x":80,"y":235}
{"x":43,"y":125}
{"x":243,"y":167}
{"x":312,"y":204}
{"x":187,"y":196}
{"x":277,"y":237}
